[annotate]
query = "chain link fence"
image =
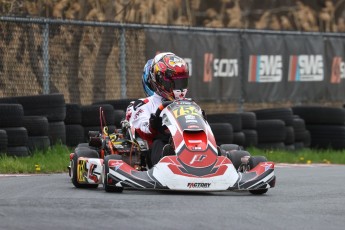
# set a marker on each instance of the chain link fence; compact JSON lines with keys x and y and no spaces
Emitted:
{"x":85,"y":61}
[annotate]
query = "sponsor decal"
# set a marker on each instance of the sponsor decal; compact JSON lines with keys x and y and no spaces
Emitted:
{"x":197,"y":158}
{"x":138,"y":113}
{"x":215,"y":67}
{"x":82,"y":170}
{"x":116,"y":164}
{"x":198,"y":185}
{"x":265,"y":68}
{"x":267,"y":166}
{"x":193,"y":127}
{"x":191,"y":121}
{"x":338,"y":70}
{"x":306,"y":68}
{"x":190,"y":117}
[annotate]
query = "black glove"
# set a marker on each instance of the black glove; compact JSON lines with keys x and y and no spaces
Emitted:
{"x":204,"y":114}
{"x":155,"y":122}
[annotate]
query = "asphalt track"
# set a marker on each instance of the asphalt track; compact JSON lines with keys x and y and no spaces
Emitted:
{"x":305,"y":197}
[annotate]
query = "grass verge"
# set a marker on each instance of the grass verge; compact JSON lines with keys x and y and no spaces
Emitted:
{"x":304,"y":156}
{"x":56,"y":159}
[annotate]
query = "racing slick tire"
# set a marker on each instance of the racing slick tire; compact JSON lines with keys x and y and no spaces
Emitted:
{"x":235,"y":157}
{"x":253,"y":162}
{"x":81,"y":152}
{"x":107,"y":187}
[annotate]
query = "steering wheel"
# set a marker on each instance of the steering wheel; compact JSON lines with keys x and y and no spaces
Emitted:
{"x":161,"y":107}
{"x":158,"y":113}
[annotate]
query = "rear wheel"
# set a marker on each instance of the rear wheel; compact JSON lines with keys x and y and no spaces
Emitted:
{"x":235,"y":157}
{"x":253,"y":162}
{"x":81,"y":152}
{"x":224,"y":148}
{"x":107,"y":187}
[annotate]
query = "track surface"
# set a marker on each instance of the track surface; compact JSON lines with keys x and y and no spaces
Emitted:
{"x":307,"y":197}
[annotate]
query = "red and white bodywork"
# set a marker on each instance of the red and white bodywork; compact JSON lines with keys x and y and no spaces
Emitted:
{"x":197,"y":164}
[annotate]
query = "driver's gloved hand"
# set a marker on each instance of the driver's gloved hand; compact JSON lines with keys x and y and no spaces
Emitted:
{"x":155,"y":122}
{"x":204,"y":114}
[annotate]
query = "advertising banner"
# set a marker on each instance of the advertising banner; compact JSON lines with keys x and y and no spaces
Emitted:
{"x":335,"y":68}
{"x":305,"y":70}
{"x":213,"y":59}
{"x":256,"y":66}
{"x":263,"y":78}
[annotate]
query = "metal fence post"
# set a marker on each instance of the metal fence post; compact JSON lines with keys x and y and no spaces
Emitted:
{"x":122,"y":46}
{"x":46,"y":77}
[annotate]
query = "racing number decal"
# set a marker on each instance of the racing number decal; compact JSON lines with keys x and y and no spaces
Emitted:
{"x":185,"y":110}
{"x":81,"y":170}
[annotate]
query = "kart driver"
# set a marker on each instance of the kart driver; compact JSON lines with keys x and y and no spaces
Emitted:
{"x":168,"y":77}
{"x":146,"y":86}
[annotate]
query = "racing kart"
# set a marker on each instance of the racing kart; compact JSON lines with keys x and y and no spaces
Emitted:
{"x":192,"y":161}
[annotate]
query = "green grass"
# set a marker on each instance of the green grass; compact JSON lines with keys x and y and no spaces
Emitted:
{"x":305,"y":156}
{"x":56,"y":159}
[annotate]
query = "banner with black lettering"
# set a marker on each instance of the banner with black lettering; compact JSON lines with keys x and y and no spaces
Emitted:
{"x":263,"y":78}
{"x":335,"y":68}
{"x":213,"y":59}
{"x":304,"y":68}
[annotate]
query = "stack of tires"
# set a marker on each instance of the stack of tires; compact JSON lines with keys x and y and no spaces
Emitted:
{"x":74,"y":129}
{"x":223,"y":133}
{"x":302,"y":135}
{"x":91,"y":118}
{"x":38,"y":132}
{"x":325,"y":124}
{"x":51,"y":106}
{"x":3,"y":142}
{"x":231,"y":118}
{"x":13,"y":136}
{"x":275,"y":128}
{"x":248,"y":120}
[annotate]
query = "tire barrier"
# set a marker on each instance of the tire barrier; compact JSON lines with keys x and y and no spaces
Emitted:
{"x":14,"y":135}
{"x":285,"y":115}
{"x":36,"y":122}
{"x":38,"y":132}
{"x":248,"y":120}
{"x":325,"y":126}
{"x":51,"y":106}
{"x":236,"y":122}
{"x":302,"y":135}
{"x":74,"y":129}
{"x":223,"y":133}
{"x":3,"y":142}
{"x":271,"y":133}
{"x":57,"y":132}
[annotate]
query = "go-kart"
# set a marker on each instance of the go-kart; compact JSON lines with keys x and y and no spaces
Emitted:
{"x":193,"y":161}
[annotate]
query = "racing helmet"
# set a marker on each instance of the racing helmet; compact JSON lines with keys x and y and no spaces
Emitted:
{"x":169,"y":76}
{"x":145,"y":79}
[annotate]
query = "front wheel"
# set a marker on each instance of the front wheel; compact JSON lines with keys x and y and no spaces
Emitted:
{"x":253,"y":162}
{"x":81,"y":152}
{"x":106,"y":185}
{"x":236,"y":157}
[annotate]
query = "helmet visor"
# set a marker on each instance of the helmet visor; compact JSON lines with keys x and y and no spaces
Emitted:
{"x":180,"y":83}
